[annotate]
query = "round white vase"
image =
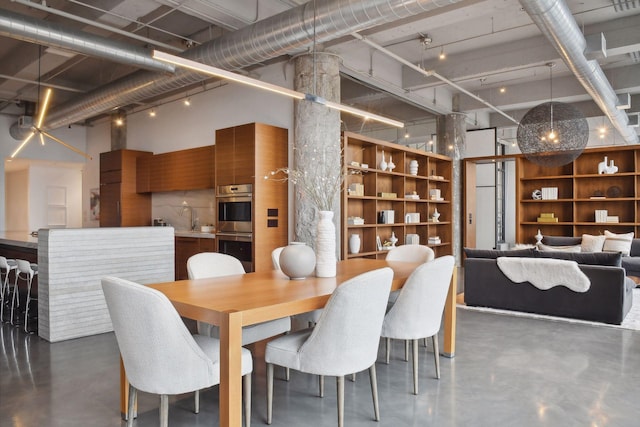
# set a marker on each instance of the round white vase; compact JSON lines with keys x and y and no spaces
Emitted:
{"x":413,"y":167}
{"x":326,"y":246}
{"x":297,"y":260}
{"x":354,"y":243}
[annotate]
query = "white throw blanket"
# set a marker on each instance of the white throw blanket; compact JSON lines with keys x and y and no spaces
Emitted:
{"x":545,"y":273}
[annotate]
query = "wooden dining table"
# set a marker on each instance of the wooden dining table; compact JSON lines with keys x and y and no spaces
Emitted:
{"x":232,"y":302}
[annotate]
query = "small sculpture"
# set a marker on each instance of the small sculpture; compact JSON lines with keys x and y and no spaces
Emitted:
{"x":435,"y":215}
{"x":393,"y":239}
{"x":538,"y":238}
{"x":602,"y":166}
{"x":611,"y":169}
{"x":391,"y":166}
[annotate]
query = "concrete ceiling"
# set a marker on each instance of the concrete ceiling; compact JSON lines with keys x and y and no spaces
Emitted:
{"x":492,"y":49}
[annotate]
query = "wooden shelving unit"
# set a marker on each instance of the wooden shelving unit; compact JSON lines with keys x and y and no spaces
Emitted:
{"x":577,"y":183}
{"x":364,"y":150}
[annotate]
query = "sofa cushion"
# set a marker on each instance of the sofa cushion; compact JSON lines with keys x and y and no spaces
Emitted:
{"x":618,"y":242}
{"x":494,"y":253}
{"x":635,"y":247}
{"x":607,"y":259}
{"x":592,"y":243}
{"x":547,"y":248}
{"x":561,"y":240}
{"x":631,"y":265}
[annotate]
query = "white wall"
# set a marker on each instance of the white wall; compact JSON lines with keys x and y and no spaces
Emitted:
{"x":44,"y":180}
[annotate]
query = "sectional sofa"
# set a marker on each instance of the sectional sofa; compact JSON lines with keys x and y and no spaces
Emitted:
{"x":608,"y":299}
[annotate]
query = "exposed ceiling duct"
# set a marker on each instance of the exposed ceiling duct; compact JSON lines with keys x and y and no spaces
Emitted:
{"x":555,"y":21}
{"x":54,"y":35}
{"x":288,"y":32}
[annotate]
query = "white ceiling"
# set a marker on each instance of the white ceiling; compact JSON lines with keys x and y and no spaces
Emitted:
{"x":489,"y":45}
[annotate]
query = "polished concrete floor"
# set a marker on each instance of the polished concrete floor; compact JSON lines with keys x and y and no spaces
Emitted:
{"x":508,"y":371}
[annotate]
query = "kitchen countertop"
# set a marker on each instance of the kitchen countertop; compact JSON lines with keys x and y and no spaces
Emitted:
{"x":19,"y":238}
{"x":194,"y":234}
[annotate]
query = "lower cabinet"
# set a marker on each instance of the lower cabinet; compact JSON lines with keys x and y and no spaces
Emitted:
{"x":185,"y":248}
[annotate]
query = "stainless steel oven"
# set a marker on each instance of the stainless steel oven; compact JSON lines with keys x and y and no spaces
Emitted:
{"x":234,"y":208}
{"x":238,"y":245}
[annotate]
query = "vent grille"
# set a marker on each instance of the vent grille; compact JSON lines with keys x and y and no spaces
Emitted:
{"x":622,"y":5}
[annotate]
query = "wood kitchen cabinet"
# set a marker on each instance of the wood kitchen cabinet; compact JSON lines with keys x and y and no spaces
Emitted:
{"x":187,"y":247}
{"x":120,"y":204}
{"x":244,"y":155}
{"x":191,"y":169}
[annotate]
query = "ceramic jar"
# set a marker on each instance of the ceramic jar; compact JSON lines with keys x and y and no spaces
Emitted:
{"x":297,"y":260}
{"x":413,"y":167}
{"x":354,"y":243}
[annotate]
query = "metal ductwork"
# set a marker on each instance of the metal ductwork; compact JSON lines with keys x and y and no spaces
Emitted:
{"x":556,"y":22}
{"x":288,"y":32}
{"x":50,"y":34}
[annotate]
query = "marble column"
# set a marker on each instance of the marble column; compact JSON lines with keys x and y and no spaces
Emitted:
{"x":452,"y":131}
{"x":317,"y":144}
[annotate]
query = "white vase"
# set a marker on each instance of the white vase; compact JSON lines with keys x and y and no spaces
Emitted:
{"x":326,"y":246}
{"x":297,"y":260}
{"x":391,"y":166}
{"x":354,"y":244}
{"x":383,"y":163}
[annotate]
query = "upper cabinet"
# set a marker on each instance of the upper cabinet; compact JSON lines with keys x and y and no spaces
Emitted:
{"x":236,"y":162}
{"x":191,"y":169}
{"x":411,"y":201}
{"x":120,"y":205}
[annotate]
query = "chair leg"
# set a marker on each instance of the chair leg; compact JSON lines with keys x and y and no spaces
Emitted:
{"x":287,"y":374}
{"x":196,"y":402}
{"x":269,"y":392}
{"x":26,"y":306}
{"x":164,"y":410}
{"x":373,"y":378}
{"x":415,"y":366}
{"x":15,"y":299}
{"x":247,"y":399}
{"x":436,"y":354}
{"x":321,"y":385}
{"x":387,"y":349}
{"x":2,"y":297}
{"x":131,"y":405}
{"x":340,"y":386}
{"x":406,"y":350}
{"x":353,"y":377}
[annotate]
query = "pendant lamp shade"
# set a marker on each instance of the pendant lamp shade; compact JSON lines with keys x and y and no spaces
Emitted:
{"x":556,"y":141}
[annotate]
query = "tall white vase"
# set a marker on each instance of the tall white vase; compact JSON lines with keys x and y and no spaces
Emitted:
{"x":326,"y":246}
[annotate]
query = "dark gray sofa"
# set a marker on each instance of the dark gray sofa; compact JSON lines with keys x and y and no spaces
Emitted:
{"x":608,"y":299}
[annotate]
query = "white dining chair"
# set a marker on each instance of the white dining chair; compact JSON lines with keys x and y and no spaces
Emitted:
{"x":212,"y":264}
{"x":344,"y":340}
{"x":418,"y":310}
{"x":159,"y":354}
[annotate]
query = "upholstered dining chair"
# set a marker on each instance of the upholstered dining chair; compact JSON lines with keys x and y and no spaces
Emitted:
{"x":309,"y":319}
{"x":418,"y":310}
{"x":212,"y":264}
{"x":344,"y":340}
{"x":159,"y":354}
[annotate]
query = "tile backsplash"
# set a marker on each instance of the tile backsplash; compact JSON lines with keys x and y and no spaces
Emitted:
{"x":170,"y":207}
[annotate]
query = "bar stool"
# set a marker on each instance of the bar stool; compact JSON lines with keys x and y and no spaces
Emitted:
{"x":26,"y":271}
{"x":6,"y":266}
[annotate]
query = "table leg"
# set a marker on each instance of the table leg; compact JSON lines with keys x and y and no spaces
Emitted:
{"x":230,"y":370}
{"x":450,"y":317}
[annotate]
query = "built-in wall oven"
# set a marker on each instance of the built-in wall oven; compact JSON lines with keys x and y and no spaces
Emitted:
{"x":234,"y":234}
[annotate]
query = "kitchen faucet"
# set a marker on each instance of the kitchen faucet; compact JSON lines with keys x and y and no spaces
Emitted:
{"x":185,"y":207}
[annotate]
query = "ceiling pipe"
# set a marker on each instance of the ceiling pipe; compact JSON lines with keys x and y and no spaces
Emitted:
{"x":555,"y":21}
{"x":285,"y":33}
{"x":431,"y":73}
{"x":50,"y":34}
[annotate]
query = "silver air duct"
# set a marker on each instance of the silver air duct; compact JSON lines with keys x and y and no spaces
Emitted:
{"x":287,"y":32}
{"x":47,"y":33}
{"x":556,"y":22}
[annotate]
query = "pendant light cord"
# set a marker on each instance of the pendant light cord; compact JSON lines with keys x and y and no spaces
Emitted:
{"x":313,"y":53}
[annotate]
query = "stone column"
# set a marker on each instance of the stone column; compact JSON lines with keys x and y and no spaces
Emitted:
{"x":452,"y":137}
{"x":316,"y":137}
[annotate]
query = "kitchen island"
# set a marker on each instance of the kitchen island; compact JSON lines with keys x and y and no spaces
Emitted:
{"x":71,"y":263}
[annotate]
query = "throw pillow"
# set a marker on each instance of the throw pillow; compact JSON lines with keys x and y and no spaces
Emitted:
{"x":561,"y":240}
{"x":592,"y":243}
{"x":572,"y":248}
{"x":618,"y":242}
{"x":608,"y":259}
